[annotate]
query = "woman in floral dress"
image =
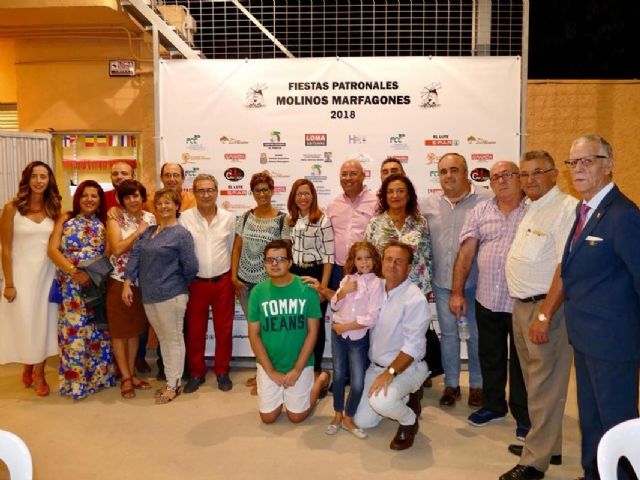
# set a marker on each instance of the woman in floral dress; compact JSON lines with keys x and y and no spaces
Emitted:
{"x":398,"y":218}
{"x":86,"y":358}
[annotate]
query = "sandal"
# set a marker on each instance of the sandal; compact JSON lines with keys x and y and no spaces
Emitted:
{"x":127,"y":392}
{"x":332,"y":428}
{"x":168,"y":395}
{"x":141,"y":384}
{"x":251,"y":382}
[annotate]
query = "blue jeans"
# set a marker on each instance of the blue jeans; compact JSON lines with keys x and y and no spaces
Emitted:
{"x":450,"y":341}
{"x":352,"y":355}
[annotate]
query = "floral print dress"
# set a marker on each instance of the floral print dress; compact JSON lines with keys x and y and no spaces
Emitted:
{"x":86,"y":358}
{"x":415,"y":233}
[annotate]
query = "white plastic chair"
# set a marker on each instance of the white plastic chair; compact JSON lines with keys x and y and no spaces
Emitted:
{"x":623,"y":440}
{"x":15,"y":454}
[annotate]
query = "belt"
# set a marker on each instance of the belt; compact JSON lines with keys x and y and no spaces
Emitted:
{"x":308,"y":265}
{"x":379,"y":366}
{"x":211,"y":279}
{"x":535,"y":298}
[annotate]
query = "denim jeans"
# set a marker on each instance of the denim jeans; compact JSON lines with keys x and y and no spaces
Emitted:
{"x":352,"y":355}
{"x":450,"y":341}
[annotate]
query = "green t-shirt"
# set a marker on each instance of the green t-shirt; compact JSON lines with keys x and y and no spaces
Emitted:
{"x":282,"y":313}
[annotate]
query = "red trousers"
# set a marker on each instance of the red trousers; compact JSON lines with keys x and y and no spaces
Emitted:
{"x":220,"y":297}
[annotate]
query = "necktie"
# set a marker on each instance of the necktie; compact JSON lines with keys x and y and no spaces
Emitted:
{"x":584,"y":211}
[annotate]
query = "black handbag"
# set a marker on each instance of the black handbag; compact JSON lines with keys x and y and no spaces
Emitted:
{"x":432,"y":357}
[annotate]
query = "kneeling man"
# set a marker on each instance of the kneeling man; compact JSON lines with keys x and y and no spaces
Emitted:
{"x":397,"y":370}
{"x":284,"y":317}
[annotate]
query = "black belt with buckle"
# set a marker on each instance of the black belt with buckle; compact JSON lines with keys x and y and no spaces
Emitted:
{"x":535,"y":298}
{"x":212,"y":279}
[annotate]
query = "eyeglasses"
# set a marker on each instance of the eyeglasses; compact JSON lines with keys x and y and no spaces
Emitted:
{"x":503,"y":176}
{"x":210,"y":191}
{"x":275,"y":260}
{"x":537,"y":173}
{"x":303,"y":194}
{"x":259,"y":191}
{"x":585,"y":161}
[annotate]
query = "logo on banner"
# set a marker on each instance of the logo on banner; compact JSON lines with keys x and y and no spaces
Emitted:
{"x":316,"y":173}
{"x":432,"y":158}
{"x":275,"y":142}
{"x":482,"y":157}
{"x":234,"y":174}
{"x":193,"y":142}
{"x":277,"y":158}
{"x":434,"y":190}
{"x":471,"y":140}
{"x":255,"y":96}
{"x":315,"y":139}
{"x":277,"y":174}
{"x":441,"y":141}
{"x":235,"y":157}
{"x":328,"y":157}
{"x":191,"y":172}
{"x":230,"y":140}
{"x":398,"y":142}
{"x":401,"y":158}
{"x":233,"y":190}
{"x":480,"y":175}
{"x":357,"y":139}
{"x":189,"y":158}
{"x":429,"y":95}
{"x":280,"y":189}
{"x":434,"y":176}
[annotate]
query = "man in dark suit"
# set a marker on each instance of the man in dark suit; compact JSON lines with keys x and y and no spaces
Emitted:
{"x":600,"y":273}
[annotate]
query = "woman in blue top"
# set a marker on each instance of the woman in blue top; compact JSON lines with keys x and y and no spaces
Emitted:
{"x":164,"y":262}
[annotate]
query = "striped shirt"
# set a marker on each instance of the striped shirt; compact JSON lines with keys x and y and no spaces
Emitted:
{"x":495,"y":233}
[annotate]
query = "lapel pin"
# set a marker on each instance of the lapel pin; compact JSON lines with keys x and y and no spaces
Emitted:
{"x":598,"y":215}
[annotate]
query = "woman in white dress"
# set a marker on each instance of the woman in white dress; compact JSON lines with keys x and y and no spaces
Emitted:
{"x":27,"y":319}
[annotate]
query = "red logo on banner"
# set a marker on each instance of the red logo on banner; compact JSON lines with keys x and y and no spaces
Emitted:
{"x":235,"y":156}
{"x":440,"y":143}
{"x":482,"y":157}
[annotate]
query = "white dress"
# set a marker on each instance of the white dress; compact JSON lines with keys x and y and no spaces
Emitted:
{"x":28,"y":325}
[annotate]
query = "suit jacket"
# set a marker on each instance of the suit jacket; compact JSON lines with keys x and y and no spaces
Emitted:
{"x":601,"y":281}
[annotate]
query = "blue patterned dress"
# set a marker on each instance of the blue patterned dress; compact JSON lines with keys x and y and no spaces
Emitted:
{"x":86,"y":358}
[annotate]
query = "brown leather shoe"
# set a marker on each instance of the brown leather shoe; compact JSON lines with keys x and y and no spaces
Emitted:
{"x":404,"y":436}
{"x":414,"y":401}
{"x":449,"y":397}
{"x":475,"y":397}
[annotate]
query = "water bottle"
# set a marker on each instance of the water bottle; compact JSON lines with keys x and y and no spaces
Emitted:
{"x":463,"y":328}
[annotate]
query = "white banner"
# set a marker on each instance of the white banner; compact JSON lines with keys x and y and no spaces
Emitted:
{"x":304,"y":117}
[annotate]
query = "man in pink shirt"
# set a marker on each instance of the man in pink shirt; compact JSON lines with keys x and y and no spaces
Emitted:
{"x":349,"y":213}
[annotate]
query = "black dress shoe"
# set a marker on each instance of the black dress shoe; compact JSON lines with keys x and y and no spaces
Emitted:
{"x":404,"y":436}
{"x":224,"y":382}
{"x":450,"y":396}
{"x":193,"y":384}
{"x":414,"y":401}
{"x":517,"y":451}
{"x":522,"y":472}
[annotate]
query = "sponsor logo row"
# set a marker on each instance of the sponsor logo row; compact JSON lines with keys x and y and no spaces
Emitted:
{"x":397,"y":141}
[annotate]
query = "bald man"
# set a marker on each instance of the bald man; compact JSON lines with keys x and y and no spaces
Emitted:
{"x":120,"y":171}
{"x":349,"y":214}
{"x":489,"y":230}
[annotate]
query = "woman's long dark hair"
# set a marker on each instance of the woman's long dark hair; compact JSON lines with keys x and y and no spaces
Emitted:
{"x":412,"y":202}
{"x":101,"y":212}
{"x":52,"y":197}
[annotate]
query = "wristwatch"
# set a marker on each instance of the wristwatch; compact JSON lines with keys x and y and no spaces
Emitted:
{"x":542,"y":317}
{"x":392,"y":371}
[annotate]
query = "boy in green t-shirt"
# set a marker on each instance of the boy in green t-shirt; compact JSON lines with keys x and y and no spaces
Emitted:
{"x":283,"y":320}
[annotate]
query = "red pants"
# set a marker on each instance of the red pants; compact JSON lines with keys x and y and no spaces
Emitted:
{"x":220,"y":297}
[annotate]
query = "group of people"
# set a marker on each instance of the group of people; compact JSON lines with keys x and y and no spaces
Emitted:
{"x":529,"y":271}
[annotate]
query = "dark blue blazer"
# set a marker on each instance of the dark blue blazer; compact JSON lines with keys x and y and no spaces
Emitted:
{"x":601,"y":281}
